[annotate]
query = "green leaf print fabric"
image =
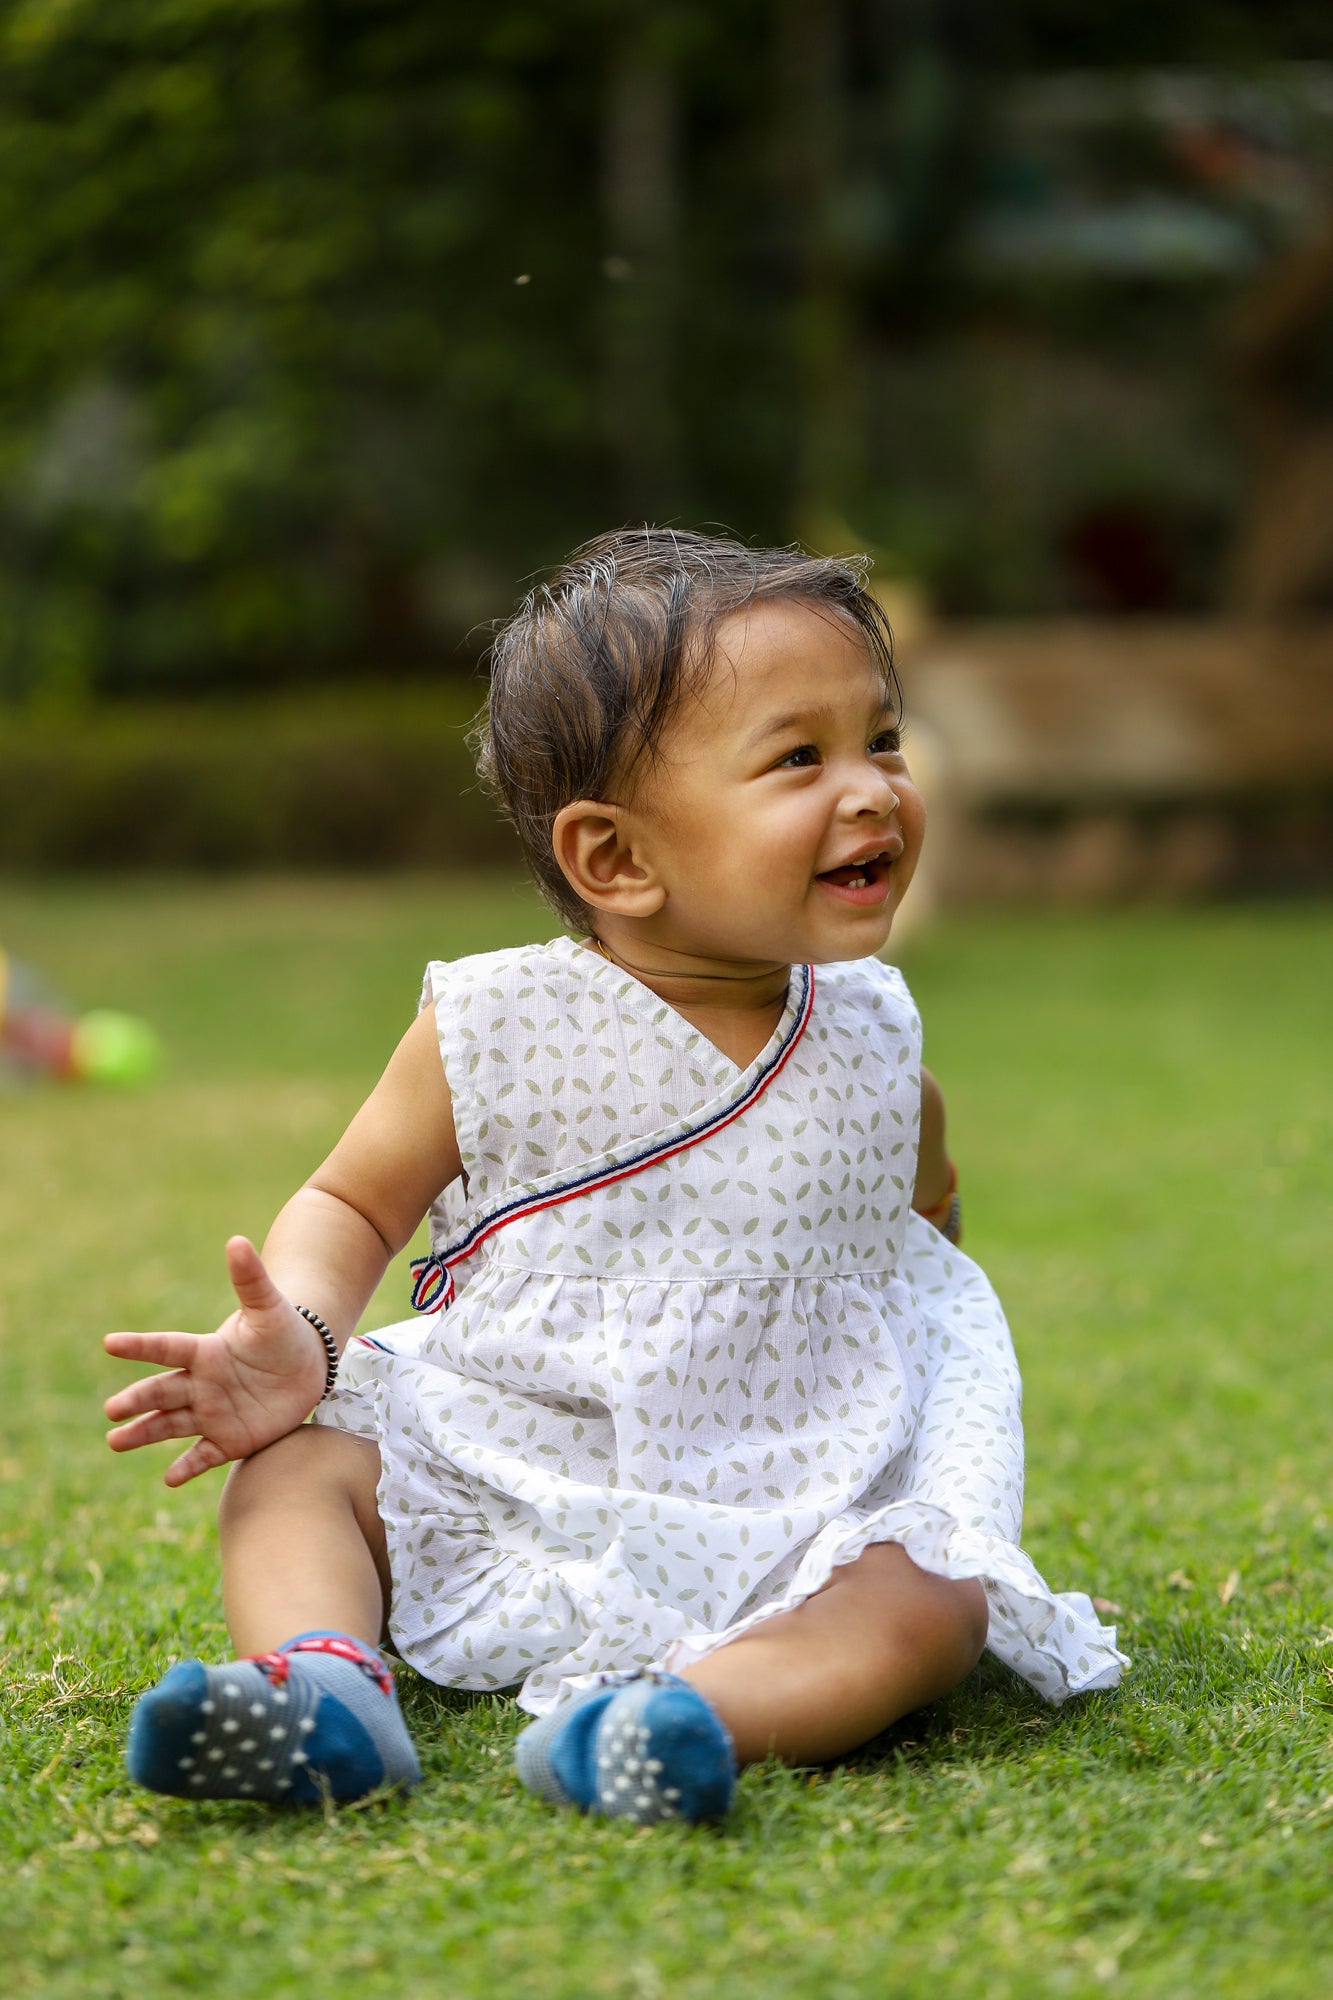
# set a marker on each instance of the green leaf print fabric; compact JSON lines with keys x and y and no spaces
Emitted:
{"x":667,"y":1406}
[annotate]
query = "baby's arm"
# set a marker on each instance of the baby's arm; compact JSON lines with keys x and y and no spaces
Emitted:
{"x":331,"y":1243}
{"x":936,"y":1179}
{"x":262,"y":1372}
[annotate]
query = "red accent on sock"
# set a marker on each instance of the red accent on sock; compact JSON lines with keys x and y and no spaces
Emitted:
{"x":346,"y":1649}
{"x":275,"y":1665}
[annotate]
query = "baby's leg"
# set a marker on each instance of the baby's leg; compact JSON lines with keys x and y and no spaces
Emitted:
{"x":308,"y":1711}
{"x":302,"y":1541}
{"x":880,"y":1639}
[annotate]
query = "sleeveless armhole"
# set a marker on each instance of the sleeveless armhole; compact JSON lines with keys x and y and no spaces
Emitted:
{"x":888,"y":997}
{"x":474,"y":1003}
{"x":891,"y":979}
{"x":440,"y":992}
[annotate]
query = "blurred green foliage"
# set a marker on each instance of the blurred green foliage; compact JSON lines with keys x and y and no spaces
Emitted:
{"x":362,"y":776}
{"x":324,"y":319}
{"x":263,"y":351}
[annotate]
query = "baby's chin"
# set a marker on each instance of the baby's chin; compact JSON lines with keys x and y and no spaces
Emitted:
{"x":832,"y":944}
{"x":849,"y":955}
{"x":842,"y":951}
{"x":823,"y":935}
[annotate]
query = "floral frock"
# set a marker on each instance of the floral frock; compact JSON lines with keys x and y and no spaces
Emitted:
{"x":688,"y":1347}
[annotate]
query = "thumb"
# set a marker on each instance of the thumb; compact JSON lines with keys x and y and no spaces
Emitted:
{"x":250,"y":1281}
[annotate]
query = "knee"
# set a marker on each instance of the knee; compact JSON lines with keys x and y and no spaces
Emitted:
{"x":959,"y":1620}
{"x":945,"y":1619}
{"x":249,"y":1483}
{"x":972,"y":1614}
{"x":312,"y":1460}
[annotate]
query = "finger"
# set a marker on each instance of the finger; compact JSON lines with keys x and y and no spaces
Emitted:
{"x":154,"y":1427}
{"x":167,"y":1350}
{"x":250,"y":1281}
{"x":155,"y":1392}
{"x":201,"y":1457}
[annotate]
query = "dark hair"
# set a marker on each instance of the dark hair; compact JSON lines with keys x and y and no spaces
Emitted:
{"x":587,"y":673}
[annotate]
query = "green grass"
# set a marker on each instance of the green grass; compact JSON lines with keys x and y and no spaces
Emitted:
{"x":1140,"y":1107}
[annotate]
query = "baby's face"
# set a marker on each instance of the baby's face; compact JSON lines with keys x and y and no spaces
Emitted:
{"x":782,"y":819}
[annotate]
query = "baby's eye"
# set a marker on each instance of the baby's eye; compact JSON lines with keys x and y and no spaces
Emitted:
{"x":799,"y":758}
{"x":887,"y":743}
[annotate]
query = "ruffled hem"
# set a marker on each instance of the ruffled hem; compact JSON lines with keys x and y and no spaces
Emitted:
{"x":1054,"y":1640}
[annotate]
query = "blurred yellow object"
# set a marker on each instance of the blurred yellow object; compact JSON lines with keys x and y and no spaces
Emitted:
{"x":906,"y":606}
{"x":903,"y":598}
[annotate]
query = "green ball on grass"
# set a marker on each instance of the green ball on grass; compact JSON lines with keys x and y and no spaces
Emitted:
{"x":114,"y":1048}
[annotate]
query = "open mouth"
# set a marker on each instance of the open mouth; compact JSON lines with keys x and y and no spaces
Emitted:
{"x":860,"y":881}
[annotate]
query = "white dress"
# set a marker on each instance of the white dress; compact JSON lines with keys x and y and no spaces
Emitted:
{"x":695,"y":1348}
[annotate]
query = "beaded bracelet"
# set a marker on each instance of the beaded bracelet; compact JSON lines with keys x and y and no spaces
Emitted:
{"x":330,"y":1346}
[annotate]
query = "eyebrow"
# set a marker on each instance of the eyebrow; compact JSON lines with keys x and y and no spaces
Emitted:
{"x":797,"y":719}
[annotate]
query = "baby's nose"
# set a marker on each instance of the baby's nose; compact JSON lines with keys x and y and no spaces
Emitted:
{"x":873,"y":795}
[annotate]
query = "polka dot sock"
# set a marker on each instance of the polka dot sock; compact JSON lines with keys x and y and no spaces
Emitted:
{"x":318,"y":1718}
{"x":645,"y":1750}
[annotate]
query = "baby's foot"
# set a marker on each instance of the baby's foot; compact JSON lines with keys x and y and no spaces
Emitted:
{"x":318,"y":1718}
{"x":645,"y":1750}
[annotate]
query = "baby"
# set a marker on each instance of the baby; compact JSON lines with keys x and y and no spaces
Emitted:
{"x":709,"y":1438}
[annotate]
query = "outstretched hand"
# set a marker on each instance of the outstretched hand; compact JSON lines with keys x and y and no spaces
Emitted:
{"x":233,"y":1391}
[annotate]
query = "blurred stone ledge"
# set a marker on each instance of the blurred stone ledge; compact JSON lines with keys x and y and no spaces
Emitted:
{"x":1096,"y":760}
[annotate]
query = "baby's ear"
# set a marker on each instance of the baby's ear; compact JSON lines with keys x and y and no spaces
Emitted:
{"x":597,"y":851}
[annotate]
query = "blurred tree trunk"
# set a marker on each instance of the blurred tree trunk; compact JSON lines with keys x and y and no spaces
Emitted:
{"x":808,"y":160}
{"x":641,"y":219}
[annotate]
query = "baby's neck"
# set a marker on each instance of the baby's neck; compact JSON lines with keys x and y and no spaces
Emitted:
{"x":734,"y":1004}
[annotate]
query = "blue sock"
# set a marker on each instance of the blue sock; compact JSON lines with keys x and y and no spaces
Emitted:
{"x":318,"y":1718}
{"x":645,"y":1750}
